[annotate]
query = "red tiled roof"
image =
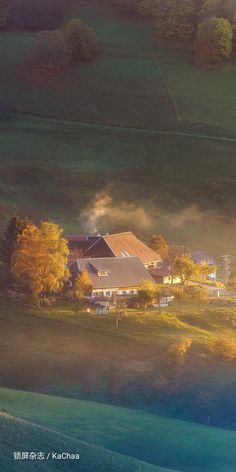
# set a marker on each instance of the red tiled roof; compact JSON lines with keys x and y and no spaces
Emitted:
{"x":126,"y":244}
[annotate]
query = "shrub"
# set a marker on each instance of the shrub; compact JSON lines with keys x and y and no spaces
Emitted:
{"x":177,"y":351}
{"x":232,"y":283}
{"x":127,"y":4}
{"x":50,"y":52}
{"x":214,"y":41}
{"x":223,"y":347}
{"x":35,"y":14}
{"x":81,"y":40}
{"x":197,"y":294}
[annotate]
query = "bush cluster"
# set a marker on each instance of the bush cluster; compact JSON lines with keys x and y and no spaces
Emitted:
{"x":223,"y":347}
{"x":209,"y":26}
{"x":54,"y":51}
{"x":177,"y":352}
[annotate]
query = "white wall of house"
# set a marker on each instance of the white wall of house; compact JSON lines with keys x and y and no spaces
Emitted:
{"x":168,"y":279}
{"x":109,"y":292}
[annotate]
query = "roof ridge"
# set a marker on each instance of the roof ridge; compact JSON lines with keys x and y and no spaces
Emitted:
{"x":99,"y":239}
{"x":118,"y":234}
{"x":107,"y":257}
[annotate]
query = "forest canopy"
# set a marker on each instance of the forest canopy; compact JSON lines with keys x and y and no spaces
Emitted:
{"x":209,"y":26}
{"x":31,"y":15}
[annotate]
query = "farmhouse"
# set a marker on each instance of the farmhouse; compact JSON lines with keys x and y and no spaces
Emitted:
{"x":78,"y":244}
{"x":123,"y":245}
{"x":112,"y":275}
{"x":163,"y":274}
{"x":200,"y":257}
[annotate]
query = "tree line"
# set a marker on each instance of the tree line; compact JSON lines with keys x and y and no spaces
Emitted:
{"x":53,"y":50}
{"x":31,"y":15}
{"x":209,"y":26}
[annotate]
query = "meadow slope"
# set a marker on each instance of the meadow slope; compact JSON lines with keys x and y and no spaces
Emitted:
{"x":17,"y":435}
{"x":101,"y":130}
{"x":55,"y":351}
{"x":157,"y":440}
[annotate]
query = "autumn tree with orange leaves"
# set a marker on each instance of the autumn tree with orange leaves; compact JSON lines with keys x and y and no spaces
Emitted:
{"x":40,"y":258}
{"x":83,"y":285}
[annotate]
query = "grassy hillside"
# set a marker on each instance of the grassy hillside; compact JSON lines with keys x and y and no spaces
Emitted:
{"x":56,"y":170}
{"x":157,"y":440}
{"x":56,"y":351}
{"x":178,"y":184}
{"x":133,"y":83}
{"x":205,"y":99}
{"x":17,"y":434}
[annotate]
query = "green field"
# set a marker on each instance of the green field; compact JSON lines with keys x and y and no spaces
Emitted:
{"x":17,"y":434}
{"x":178,"y":445}
{"x":138,"y":140}
{"x":133,"y":82}
{"x":56,"y":351}
{"x":205,"y":99}
{"x":132,"y":125}
{"x":55,"y":169}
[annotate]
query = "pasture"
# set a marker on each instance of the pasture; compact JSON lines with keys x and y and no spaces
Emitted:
{"x":58,"y":352}
{"x":131,"y":125}
{"x":17,"y":434}
{"x":58,"y":170}
{"x":132,"y":433}
{"x":158,"y":441}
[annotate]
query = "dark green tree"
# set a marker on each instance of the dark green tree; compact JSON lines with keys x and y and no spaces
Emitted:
{"x":50,"y":51}
{"x":4,"y":13}
{"x":214,"y":41}
{"x":15,"y":226}
{"x":159,"y":245}
{"x":219,"y":8}
{"x":36,"y":14}
{"x":127,"y":4}
{"x":175,"y":19}
{"x":81,"y":40}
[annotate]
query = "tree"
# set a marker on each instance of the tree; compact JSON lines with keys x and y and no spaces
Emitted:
{"x":179,"y":295}
{"x":177,"y":352}
{"x":159,"y":293}
{"x":4,"y":13}
{"x":173,"y":253}
{"x":211,"y":8}
{"x":159,"y":245}
{"x":40,"y":258}
{"x":197,"y":294}
{"x":175,"y":19}
{"x":219,"y":8}
{"x":185,"y":268}
{"x":204,"y":269}
{"x":50,"y":52}
{"x":81,"y":40}
{"x":147,"y":7}
{"x":146,"y":293}
{"x":82,"y":286}
{"x":35,"y":15}
{"x":232,"y":283}
{"x":15,"y":227}
{"x":223,"y":347}
{"x":127,"y":4}
{"x":214,"y":41}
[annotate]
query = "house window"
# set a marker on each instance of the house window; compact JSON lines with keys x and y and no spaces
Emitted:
{"x":104,"y":273}
{"x":108,"y":293}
